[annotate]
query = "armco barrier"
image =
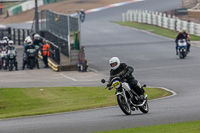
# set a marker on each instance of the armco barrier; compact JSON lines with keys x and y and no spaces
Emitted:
{"x":50,"y":1}
{"x":27,"y":5}
{"x":161,"y":20}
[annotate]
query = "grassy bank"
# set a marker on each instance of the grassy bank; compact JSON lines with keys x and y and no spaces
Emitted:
{"x":186,"y":127}
{"x":15,"y":102}
{"x":156,"y":30}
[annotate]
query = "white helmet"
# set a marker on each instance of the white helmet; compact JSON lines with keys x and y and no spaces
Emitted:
{"x":25,"y":41}
{"x":6,"y":38}
{"x":29,"y":41}
{"x":10,"y":42}
{"x":114,"y":60}
{"x":36,"y":36}
{"x":183,"y":29}
{"x":4,"y":41}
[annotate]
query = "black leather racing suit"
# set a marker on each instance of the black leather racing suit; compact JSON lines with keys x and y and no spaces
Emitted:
{"x":125,"y":72}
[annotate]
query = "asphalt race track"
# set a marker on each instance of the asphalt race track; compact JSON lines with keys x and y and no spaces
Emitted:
{"x":155,"y":63}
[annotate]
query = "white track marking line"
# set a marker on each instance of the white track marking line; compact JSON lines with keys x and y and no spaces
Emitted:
{"x":67,"y":77}
{"x":173,"y":93}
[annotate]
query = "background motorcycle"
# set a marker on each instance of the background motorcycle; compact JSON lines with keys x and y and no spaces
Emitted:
{"x":1,"y":61}
{"x":3,"y":58}
{"x":127,"y":99}
{"x":31,"y":57}
{"x":11,"y":59}
{"x":182,"y":48}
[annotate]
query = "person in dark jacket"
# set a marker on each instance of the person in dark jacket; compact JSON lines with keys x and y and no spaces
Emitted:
{"x":178,"y":37}
{"x":124,"y":72}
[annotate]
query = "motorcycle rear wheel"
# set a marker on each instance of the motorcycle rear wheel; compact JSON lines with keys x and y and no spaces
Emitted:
{"x":125,"y":107}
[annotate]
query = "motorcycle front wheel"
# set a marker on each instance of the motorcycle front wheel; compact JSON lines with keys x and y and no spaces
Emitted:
{"x":144,"y":108}
{"x":125,"y":107}
{"x":10,"y":66}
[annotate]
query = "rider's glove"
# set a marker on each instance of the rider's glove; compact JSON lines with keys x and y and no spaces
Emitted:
{"x":109,"y":88}
{"x":108,"y":85}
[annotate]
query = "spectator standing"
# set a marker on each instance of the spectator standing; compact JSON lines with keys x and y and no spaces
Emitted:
{"x":45,"y":53}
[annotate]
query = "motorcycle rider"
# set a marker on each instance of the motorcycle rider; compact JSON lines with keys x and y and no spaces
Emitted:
{"x":38,"y":41}
{"x":30,"y":46}
{"x":178,"y":37}
{"x":3,"y":52}
{"x":25,"y":41}
{"x":125,"y":73}
{"x":6,"y":38}
{"x":187,"y":38}
{"x":11,"y":49}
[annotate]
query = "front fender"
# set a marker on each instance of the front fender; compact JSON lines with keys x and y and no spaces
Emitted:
{"x":121,"y":93}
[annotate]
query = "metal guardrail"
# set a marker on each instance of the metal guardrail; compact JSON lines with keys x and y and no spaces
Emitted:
{"x":54,"y":52}
{"x":161,"y":20}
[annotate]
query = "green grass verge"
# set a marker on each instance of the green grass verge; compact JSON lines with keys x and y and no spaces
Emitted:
{"x":16,"y":102}
{"x":186,"y":127}
{"x":156,"y":30}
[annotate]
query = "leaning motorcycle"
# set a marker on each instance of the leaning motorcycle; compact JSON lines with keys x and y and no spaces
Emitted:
{"x":182,"y":48}
{"x":127,"y":99}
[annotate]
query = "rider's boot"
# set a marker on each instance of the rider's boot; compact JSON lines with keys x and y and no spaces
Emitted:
{"x":188,"y":49}
{"x":37,"y":63}
{"x":16,"y":65}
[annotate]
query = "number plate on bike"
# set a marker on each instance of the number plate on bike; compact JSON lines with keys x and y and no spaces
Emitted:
{"x":116,"y":84}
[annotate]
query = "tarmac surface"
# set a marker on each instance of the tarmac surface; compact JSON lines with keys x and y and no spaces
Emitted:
{"x":155,"y":63}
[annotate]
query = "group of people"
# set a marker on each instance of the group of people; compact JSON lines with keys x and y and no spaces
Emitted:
{"x":32,"y":46}
{"x":7,"y":52}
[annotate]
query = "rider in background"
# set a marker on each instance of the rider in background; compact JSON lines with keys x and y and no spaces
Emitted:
{"x":38,"y":41}
{"x":178,"y":37}
{"x":30,"y":46}
{"x":6,"y":38}
{"x":125,"y":73}
{"x":187,"y":38}
{"x":3,"y":52}
{"x":10,"y":49}
{"x":25,"y":41}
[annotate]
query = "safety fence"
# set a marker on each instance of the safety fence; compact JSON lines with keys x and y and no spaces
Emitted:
{"x":27,"y":5}
{"x":4,"y":31}
{"x":57,"y":28}
{"x":162,"y":20}
{"x":58,"y":24}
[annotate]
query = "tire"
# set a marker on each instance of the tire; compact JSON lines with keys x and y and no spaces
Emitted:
{"x":10,"y":66}
{"x":181,"y":54}
{"x":125,"y":107}
{"x":32,"y":64}
{"x":144,"y":108}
